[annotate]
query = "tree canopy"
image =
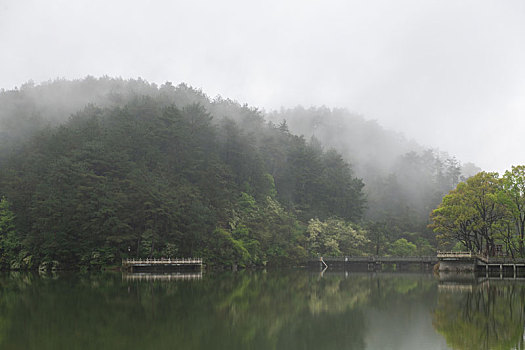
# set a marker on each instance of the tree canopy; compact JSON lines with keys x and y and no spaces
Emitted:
{"x":484,"y":211}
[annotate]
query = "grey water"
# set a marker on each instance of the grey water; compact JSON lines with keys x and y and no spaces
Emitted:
{"x":277,"y":309}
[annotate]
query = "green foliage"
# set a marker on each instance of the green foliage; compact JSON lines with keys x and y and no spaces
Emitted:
{"x":280,"y":234}
{"x":458,"y":247}
{"x":378,"y":235}
{"x":402,"y":247}
{"x":225,"y":250}
{"x":424,"y":248}
{"x":335,"y":237}
{"x":99,"y":258}
{"x":10,"y":245}
{"x":483,"y":211}
{"x":513,"y":183}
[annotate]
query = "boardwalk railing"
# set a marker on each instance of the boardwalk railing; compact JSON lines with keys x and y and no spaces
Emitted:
{"x":456,"y":255}
{"x":462,"y":255}
{"x":483,"y":258}
{"x":167,"y":261}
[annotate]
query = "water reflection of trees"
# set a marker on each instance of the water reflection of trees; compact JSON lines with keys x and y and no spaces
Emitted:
{"x":488,"y":316}
{"x":249,"y":310}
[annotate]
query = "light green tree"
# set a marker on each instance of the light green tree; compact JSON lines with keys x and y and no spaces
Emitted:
{"x":402,"y":247}
{"x":513,"y":183}
{"x":453,"y":218}
{"x":335,"y":237}
{"x":472,"y":213}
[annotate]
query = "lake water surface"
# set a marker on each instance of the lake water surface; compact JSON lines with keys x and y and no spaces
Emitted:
{"x":290,"y":309}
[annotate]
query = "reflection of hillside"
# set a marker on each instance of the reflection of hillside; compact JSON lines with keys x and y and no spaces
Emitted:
{"x":490,"y":313}
{"x":278,"y":309}
{"x":255,"y":310}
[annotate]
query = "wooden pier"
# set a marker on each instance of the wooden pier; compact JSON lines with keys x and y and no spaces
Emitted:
{"x":167,"y":264}
{"x":468,"y":261}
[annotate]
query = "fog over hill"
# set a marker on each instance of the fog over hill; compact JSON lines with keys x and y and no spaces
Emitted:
{"x":383,"y":158}
{"x":394,"y":168}
{"x":447,"y":74}
{"x":97,"y":166}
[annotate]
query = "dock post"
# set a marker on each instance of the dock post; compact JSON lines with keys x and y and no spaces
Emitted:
{"x":514,"y":268}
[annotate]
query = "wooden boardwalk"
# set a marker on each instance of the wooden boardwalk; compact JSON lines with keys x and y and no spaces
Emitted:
{"x":136,"y":265}
{"x":501,"y":266}
{"x":374,"y":263}
{"x":469,"y":261}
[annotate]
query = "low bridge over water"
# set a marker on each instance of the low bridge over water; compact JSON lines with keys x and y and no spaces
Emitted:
{"x":448,"y":261}
{"x":375,"y":263}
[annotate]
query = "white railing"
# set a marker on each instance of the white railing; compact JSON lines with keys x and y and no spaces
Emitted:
{"x":458,"y":255}
{"x":162,"y":261}
{"x":163,"y":277}
{"x":455,"y":255}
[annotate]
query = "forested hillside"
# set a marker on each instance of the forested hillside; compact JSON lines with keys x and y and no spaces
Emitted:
{"x":95,"y":170}
{"x":404,"y":181}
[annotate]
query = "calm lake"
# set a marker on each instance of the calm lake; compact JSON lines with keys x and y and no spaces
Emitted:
{"x":291,"y":309}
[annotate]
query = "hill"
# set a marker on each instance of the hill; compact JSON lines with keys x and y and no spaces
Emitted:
{"x":94,"y":170}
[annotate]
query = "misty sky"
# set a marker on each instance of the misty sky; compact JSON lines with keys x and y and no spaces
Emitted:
{"x":449,"y":74}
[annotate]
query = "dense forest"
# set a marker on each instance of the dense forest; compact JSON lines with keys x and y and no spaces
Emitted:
{"x":95,"y":170}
